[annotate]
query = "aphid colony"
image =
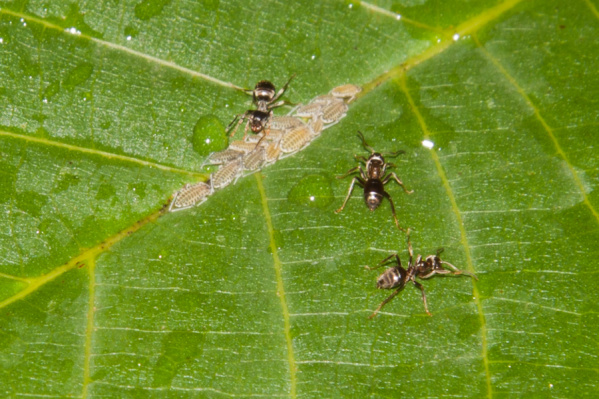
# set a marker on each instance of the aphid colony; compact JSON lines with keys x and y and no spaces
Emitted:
{"x":273,"y":138}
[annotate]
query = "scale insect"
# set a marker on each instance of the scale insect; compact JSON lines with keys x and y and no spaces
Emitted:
{"x":348,"y":91}
{"x":191,"y":195}
{"x":227,"y":173}
{"x":397,"y":277}
{"x":373,"y":180}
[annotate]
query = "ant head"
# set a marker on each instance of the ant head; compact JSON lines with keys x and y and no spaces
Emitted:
{"x":258,"y":120}
{"x":264,"y":91}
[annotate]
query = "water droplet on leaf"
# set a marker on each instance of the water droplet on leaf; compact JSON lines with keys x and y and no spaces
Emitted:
{"x":208,"y":135}
{"x":312,"y":190}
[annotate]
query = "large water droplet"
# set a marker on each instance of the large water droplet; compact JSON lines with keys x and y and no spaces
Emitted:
{"x":208,"y":135}
{"x":312,"y":190}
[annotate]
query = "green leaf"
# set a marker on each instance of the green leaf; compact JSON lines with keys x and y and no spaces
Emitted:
{"x":105,"y":108}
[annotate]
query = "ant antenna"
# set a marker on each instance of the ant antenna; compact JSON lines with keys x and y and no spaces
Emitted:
{"x":364,"y":143}
{"x":393,"y":154}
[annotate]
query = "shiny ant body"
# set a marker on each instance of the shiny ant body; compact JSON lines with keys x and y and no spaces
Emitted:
{"x":397,"y":277}
{"x":374,"y":179}
{"x":265,"y":97}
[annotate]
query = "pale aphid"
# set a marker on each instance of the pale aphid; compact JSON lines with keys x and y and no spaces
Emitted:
{"x":272,"y":152}
{"x":242,"y":146}
{"x":190,"y":195}
{"x":334,"y":111}
{"x":348,"y":91}
{"x":284,"y":122}
{"x":255,"y":159}
{"x":221,"y":157}
{"x":312,"y":110}
{"x":296,"y":139}
{"x":323,"y":99}
{"x":316,"y":125}
{"x":227,"y":173}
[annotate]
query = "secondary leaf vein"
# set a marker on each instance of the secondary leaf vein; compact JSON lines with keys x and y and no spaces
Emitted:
{"x":460,"y":223}
{"x":280,"y":285}
{"x":561,"y":153}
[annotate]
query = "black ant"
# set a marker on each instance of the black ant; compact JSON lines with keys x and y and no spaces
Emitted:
{"x":397,"y":276}
{"x":374,"y":180}
{"x":264,"y":96}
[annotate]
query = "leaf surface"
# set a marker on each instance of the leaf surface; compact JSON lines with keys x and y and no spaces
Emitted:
{"x":261,"y":291}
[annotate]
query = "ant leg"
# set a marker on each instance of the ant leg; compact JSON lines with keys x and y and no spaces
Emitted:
{"x":381,"y":263}
{"x":360,"y":158}
{"x":386,"y":301}
{"x":283,"y":89}
{"x":349,"y":172}
{"x":280,"y":103}
{"x":392,"y":174}
{"x":417,"y":284}
{"x":364,"y":143}
{"x":245,"y":131}
{"x":351,"y":188}
{"x":456,"y":271}
{"x":241,"y":118}
{"x":410,"y":250}
{"x":386,"y":194}
{"x":392,"y":155}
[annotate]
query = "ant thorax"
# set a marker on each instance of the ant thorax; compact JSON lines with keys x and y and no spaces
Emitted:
{"x":375,"y":166}
{"x":431,"y":263}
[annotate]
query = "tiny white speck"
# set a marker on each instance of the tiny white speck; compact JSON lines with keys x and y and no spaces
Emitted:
{"x":456,"y":37}
{"x":37,"y":232}
{"x":313,"y":57}
{"x":438,"y":40}
{"x":133,"y":188}
{"x":351,"y":5}
{"x":509,"y":366}
{"x":139,"y":364}
{"x":428,"y":144}
{"x":398,"y":17}
{"x":312,"y":198}
{"x":45,"y":101}
{"x":208,"y":141}
{"x":24,"y":23}
{"x":159,"y":256}
{"x":84,"y":98}
{"x":22,"y":20}
{"x":1,"y":40}
{"x":167,"y":148}
{"x":226,"y":105}
{"x":128,"y":37}
{"x":550,"y":385}
{"x":439,"y":148}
